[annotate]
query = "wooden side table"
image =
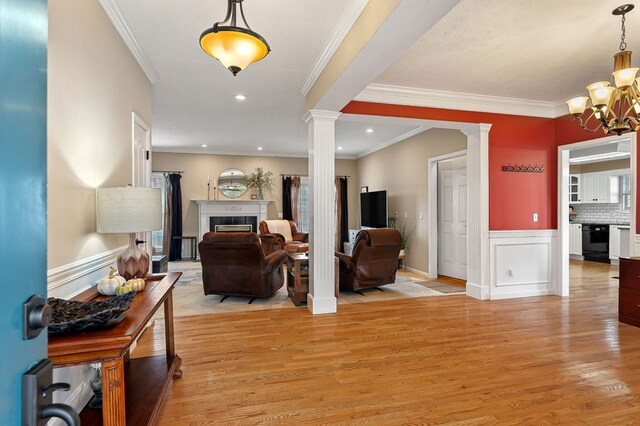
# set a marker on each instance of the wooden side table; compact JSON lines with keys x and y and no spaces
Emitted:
{"x":298,"y":277}
{"x":132,"y":389}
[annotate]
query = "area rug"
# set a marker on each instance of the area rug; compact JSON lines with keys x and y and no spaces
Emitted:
{"x":189,"y":298}
{"x":442,"y":287}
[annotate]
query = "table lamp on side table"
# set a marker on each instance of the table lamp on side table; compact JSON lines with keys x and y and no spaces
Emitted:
{"x":129,"y":210}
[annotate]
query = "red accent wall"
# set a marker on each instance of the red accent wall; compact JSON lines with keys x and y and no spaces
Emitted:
{"x":513,"y":139}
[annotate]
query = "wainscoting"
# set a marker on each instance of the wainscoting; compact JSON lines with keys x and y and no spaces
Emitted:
{"x":65,"y":282}
{"x":522,"y":263}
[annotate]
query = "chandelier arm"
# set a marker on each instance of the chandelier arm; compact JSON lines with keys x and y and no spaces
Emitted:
{"x":583,"y":124}
{"x":226,"y":18}
{"x":242,"y":15}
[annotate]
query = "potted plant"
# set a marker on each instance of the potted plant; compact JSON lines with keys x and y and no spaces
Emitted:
{"x":405,"y":232}
{"x":260,"y":181}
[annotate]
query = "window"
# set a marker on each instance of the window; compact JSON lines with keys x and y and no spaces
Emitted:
{"x":158,"y":181}
{"x":625,"y":192}
{"x":304,"y":205}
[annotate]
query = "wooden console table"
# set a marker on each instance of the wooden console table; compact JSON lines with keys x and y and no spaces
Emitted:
{"x":132,"y":389}
{"x":298,"y":277}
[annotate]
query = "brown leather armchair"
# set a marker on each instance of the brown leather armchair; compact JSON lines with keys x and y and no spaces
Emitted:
{"x":373,"y":262}
{"x":233,"y":264}
{"x":274,"y":241}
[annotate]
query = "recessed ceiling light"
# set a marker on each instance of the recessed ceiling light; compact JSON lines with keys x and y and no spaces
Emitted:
{"x":203,"y":145}
{"x":369,"y":130}
{"x":339,"y":148}
{"x":259,"y":148}
{"x":240,"y":97}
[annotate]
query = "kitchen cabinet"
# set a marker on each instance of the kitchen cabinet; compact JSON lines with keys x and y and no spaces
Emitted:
{"x":614,"y":242}
{"x":574,"y":188}
{"x":575,"y":239}
{"x":600,"y":187}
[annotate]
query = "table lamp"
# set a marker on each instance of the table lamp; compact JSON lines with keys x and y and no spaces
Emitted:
{"x":129,"y":210}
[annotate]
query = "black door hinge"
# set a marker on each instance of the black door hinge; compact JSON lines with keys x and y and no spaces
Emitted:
{"x":148,"y":154}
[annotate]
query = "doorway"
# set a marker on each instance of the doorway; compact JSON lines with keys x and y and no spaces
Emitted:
{"x":447,"y":215}
{"x":452,"y":218}
{"x":599,"y":189}
{"x":141,"y":168}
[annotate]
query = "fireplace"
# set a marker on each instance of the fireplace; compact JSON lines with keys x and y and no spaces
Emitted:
{"x":233,"y":223}
{"x":230,"y":214}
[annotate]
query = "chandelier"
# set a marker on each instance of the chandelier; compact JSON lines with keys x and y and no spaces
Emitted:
{"x":615,"y":109}
{"x":234,"y":46}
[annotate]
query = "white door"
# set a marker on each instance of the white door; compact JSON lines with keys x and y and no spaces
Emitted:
{"x":141,"y":136}
{"x":452,"y":219}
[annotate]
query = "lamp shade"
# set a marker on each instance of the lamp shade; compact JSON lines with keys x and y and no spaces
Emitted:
{"x":600,"y":96}
{"x":235,"y":47}
{"x":128,"y":210}
{"x":577,"y":105}
{"x":624,"y":78}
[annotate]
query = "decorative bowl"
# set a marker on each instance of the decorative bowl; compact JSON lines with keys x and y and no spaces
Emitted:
{"x":69,"y":316}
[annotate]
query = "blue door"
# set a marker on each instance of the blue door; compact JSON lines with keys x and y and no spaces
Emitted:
{"x":23,"y":200}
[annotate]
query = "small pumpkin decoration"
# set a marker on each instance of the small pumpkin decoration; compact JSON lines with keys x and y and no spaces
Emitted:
{"x":124,"y":289}
{"x":108,"y":285}
{"x":137,"y":284}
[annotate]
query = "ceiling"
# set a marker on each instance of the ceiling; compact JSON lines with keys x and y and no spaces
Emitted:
{"x":194,"y":96}
{"x":546,"y":50}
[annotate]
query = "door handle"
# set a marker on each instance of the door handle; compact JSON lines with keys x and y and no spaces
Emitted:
{"x":37,"y":392}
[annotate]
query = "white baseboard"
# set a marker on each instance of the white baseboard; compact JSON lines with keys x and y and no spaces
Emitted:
{"x":521,"y":293}
{"x":416,"y":271}
{"x":68,"y":280}
{"x":324,"y":305}
{"x":476,"y":291}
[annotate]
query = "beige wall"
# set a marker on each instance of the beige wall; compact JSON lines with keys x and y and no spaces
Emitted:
{"x":602,"y":166}
{"x":94,"y":86}
{"x":197,"y":167}
{"x":401,"y":169}
{"x":370,"y":20}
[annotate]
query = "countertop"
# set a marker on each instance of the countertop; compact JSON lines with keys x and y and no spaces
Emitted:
{"x":600,"y":223}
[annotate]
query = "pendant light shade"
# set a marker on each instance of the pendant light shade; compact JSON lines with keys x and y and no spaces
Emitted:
{"x":235,"y":47}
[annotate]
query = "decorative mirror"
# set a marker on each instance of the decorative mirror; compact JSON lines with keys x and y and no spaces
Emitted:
{"x":232,"y":183}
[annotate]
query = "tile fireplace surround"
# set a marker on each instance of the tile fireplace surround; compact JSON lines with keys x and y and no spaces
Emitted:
{"x":225,"y":208}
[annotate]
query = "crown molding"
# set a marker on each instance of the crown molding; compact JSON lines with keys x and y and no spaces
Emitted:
{"x":351,"y":14}
{"x":113,"y":11}
{"x":399,"y":95}
{"x":395,"y":140}
{"x":186,"y":150}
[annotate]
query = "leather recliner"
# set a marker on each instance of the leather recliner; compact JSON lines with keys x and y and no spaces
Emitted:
{"x":373,"y":262}
{"x":274,"y":241}
{"x":234,"y":264}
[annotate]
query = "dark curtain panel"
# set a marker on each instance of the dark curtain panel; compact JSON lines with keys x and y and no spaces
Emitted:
{"x":166,"y":231}
{"x":344,"y":212}
{"x":175,"y":253}
{"x":287,"y":213}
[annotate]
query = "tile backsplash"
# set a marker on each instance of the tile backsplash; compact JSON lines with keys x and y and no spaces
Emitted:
{"x":601,"y":213}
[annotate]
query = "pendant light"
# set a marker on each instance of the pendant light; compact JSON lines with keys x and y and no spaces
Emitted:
{"x":234,"y":46}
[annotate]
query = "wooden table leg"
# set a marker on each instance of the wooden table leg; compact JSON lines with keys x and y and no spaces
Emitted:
{"x":113,"y":404}
{"x":169,"y":334}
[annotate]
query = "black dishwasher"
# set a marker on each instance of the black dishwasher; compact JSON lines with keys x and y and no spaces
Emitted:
{"x":595,"y":242}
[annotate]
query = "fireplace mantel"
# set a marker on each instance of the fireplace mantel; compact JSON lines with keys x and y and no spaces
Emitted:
{"x":213,"y":208}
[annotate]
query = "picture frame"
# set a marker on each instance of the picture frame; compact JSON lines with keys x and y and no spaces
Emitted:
{"x":364,"y":189}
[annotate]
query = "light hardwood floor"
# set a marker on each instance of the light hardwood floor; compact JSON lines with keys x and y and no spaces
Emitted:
{"x":445,"y":360}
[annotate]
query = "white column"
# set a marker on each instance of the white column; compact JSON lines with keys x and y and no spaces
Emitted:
{"x":321,"y":298}
{"x":478,"y":203}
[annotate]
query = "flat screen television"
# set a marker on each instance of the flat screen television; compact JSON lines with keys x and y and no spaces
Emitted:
{"x":373,"y":209}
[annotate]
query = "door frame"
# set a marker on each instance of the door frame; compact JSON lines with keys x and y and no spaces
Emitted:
{"x":562,"y":281}
{"x":146,"y":174}
{"x":432,"y":207}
